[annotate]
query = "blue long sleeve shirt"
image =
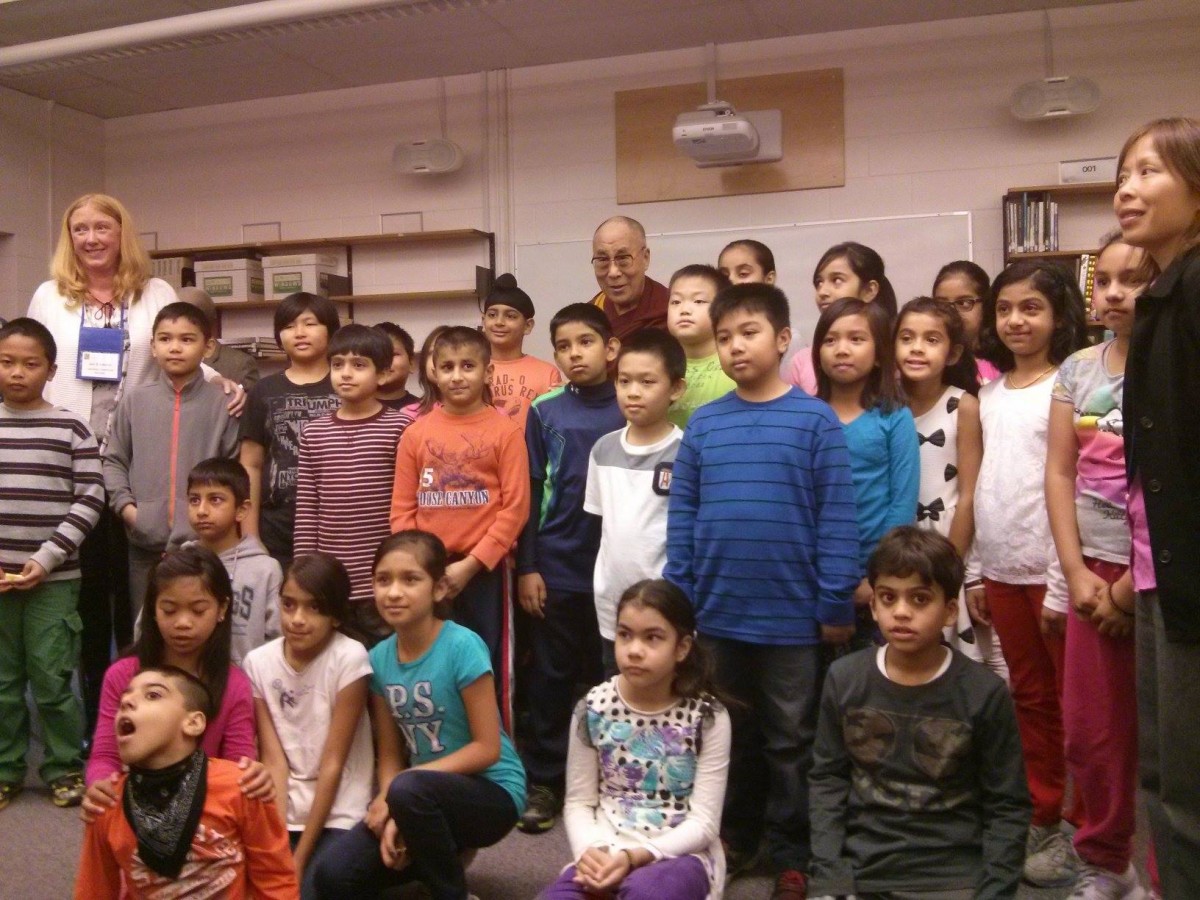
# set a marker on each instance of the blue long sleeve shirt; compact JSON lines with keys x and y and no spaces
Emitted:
{"x":761,"y":530}
{"x":560,"y":540}
{"x":885,"y":460}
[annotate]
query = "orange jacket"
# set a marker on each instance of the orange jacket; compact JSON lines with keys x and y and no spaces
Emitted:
{"x":240,"y":851}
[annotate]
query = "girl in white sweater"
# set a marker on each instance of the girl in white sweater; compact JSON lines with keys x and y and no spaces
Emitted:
{"x":647,"y":763}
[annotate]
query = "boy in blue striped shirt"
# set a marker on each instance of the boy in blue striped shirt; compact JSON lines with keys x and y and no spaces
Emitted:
{"x":762,"y":534}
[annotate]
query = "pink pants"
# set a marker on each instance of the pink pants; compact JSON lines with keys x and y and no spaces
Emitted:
{"x":1100,"y":721}
{"x":1035,"y":665}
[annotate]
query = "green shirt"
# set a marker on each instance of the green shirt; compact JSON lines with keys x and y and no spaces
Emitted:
{"x":706,"y":381}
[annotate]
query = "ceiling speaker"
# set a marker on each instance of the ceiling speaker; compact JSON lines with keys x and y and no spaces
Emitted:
{"x":1054,"y":98}
{"x":433,"y":157}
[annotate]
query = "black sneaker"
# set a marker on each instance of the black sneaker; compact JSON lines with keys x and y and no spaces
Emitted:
{"x":541,"y":806}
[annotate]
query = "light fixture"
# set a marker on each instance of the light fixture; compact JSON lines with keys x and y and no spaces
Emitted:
{"x":1055,"y":96}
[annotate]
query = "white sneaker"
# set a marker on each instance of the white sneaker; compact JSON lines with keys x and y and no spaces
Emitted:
{"x":1050,"y":860}
{"x":1096,"y":883}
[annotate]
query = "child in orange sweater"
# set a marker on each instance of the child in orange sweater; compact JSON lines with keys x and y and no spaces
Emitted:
{"x":517,"y":378}
{"x":206,"y":831}
{"x":462,"y":473}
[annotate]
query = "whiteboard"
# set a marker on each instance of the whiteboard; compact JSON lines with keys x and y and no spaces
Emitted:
{"x":913,"y":249}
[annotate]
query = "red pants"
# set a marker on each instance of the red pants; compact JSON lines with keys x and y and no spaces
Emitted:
{"x":1035,"y":666}
{"x":1100,"y":720}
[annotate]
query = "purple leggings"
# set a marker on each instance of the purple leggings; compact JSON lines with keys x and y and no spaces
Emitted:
{"x":681,"y":878}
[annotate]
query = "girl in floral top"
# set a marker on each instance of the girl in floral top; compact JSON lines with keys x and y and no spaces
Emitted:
{"x":647,"y":763}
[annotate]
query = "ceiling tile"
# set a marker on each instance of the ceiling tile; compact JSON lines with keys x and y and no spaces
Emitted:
{"x":494,"y":35}
{"x":231,"y":83}
{"x":38,"y":20}
{"x":104,"y":100}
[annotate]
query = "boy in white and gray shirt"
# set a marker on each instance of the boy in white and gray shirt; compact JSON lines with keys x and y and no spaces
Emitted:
{"x":629,"y":475}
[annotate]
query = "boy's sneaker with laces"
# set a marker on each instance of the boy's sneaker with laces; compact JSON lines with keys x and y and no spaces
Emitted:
{"x":8,"y":792}
{"x":68,"y":790}
{"x":1050,"y":860}
{"x":541,"y":806}
{"x":790,"y":885}
{"x":1096,"y":883}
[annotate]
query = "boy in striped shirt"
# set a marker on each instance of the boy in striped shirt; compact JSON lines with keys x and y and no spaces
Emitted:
{"x":762,"y":535}
{"x":347,"y":468}
{"x":51,"y":495}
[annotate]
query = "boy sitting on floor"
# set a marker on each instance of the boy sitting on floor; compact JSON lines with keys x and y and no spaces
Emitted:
{"x":183,"y":827}
{"x":917,"y":786}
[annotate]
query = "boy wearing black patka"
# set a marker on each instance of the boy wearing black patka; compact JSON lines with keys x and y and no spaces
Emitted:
{"x":917,"y":788}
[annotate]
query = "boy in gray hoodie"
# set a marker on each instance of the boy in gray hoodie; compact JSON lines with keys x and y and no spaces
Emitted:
{"x":218,"y":496}
{"x":160,"y":429}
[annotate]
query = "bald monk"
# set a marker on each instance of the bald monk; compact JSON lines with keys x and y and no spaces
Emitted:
{"x":620,"y":258}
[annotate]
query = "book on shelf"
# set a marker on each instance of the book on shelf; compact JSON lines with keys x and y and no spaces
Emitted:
{"x":1085,"y":271}
{"x":1032,"y":221}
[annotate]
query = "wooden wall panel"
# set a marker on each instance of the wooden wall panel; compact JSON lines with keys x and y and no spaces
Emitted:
{"x":650,"y":168}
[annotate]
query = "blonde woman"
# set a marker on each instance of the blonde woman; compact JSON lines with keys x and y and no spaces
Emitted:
{"x":99,"y":305}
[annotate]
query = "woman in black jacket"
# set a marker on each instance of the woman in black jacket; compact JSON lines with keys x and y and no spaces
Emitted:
{"x":1157,"y":202}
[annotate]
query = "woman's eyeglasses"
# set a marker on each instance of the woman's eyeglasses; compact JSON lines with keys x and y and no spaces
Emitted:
{"x":964,"y":304}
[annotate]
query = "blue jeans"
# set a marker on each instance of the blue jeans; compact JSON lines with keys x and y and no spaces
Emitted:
{"x":327,"y":839}
{"x":440,"y":814}
{"x":566,"y":653}
{"x":485,"y":606}
{"x":771,"y":751}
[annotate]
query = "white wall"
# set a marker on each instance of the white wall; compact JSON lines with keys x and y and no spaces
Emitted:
{"x":49,"y":155}
{"x":927,"y":130}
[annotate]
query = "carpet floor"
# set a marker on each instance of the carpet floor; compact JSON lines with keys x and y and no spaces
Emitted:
{"x":39,"y":852}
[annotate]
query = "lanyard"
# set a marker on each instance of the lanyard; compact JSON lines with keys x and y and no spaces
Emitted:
{"x":101,"y":350}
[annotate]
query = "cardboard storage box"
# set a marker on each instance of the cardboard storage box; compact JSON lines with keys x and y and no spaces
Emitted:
{"x":231,"y":280}
{"x":285,"y":275}
{"x":176,"y":271}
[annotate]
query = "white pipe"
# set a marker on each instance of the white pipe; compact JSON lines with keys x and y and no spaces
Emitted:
{"x":509,"y":190}
{"x":442,"y":107}
{"x":51,"y":223}
{"x":266,"y":12}
{"x":711,"y":72}
{"x":485,"y":162}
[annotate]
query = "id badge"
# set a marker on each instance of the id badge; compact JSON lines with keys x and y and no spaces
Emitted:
{"x":100,"y":354}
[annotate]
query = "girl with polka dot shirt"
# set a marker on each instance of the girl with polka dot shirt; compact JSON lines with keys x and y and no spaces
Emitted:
{"x":647,"y":763}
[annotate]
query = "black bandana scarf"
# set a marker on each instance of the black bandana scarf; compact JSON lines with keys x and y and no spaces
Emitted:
{"x":163,"y":808}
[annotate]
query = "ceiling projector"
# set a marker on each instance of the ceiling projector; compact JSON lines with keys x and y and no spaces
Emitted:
{"x":718,"y":135}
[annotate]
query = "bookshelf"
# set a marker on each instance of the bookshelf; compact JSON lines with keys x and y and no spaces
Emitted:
{"x":347,"y":245}
{"x":1031,"y":216}
{"x":1031,"y":230}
